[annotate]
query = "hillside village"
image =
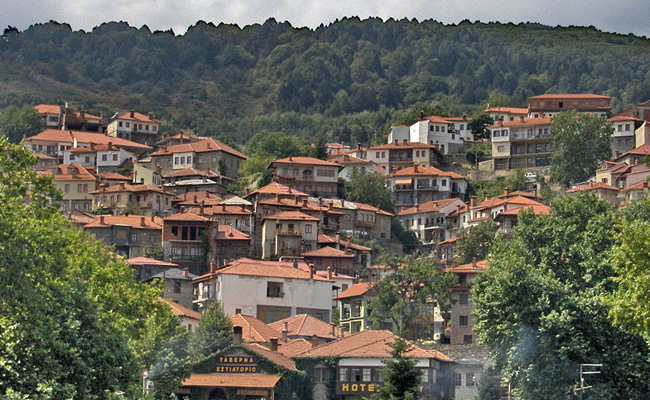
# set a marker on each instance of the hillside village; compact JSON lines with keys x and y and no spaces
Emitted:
{"x":293,"y":262}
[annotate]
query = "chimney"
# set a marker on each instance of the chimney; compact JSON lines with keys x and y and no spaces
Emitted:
{"x":290,"y":158}
{"x":472,"y":201}
{"x":101,"y":220}
{"x":304,"y":202}
{"x":122,"y":185}
{"x":248,"y":192}
{"x":332,"y":329}
{"x":237,"y":334}
{"x":142,"y":223}
{"x":474,"y":262}
{"x":521,"y":119}
{"x":314,"y":341}
{"x":158,"y":169}
{"x":505,"y":192}
{"x":330,"y":206}
{"x":150,"y":115}
{"x":285,"y":332}
{"x":186,"y":273}
{"x":311,"y":271}
{"x":131,"y":113}
{"x":213,"y":267}
{"x":338,"y":241}
{"x":223,"y":208}
{"x":505,"y":207}
{"x":349,"y":244}
{"x":535,"y":191}
{"x":274,"y":343}
{"x":82,"y":115}
{"x":196,"y":199}
{"x":329,"y":273}
{"x":415,"y":168}
{"x":202,"y":207}
{"x":404,"y":141}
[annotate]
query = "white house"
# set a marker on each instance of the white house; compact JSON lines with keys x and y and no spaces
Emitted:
{"x":269,"y":290}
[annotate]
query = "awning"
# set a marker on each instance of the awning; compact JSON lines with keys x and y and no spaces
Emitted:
{"x":403,"y":181}
{"x":232,"y":380}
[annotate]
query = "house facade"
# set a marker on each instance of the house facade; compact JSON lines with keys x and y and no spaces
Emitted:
{"x":135,"y":126}
{"x":523,"y":143}
{"x":130,"y":235}
{"x":420,"y":184}
{"x":315,"y":177}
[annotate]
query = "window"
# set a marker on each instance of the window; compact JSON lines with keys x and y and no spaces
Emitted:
{"x":355,"y":374}
{"x":154,"y":128}
{"x":500,"y":149}
{"x":169,"y":162}
{"x":199,"y":160}
{"x":134,"y":237}
{"x":128,"y":124}
{"x":458,"y":379}
{"x":325,"y":172}
{"x":177,"y":287}
{"x":114,"y":157}
{"x":79,"y":188}
{"x":343,"y":374}
{"x":463,"y":320}
{"x":176,"y":160}
{"x":119,"y":123}
{"x":469,"y":379}
{"x":308,"y":228}
{"x":174,"y":230}
{"x":467,"y":339}
{"x":66,"y":188}
{"x":463,"y":299}
{"x":104,"y":157}
{"x":214,"y":158}
{"x":367,"y":375}
{"x":321,"y":374}
{"x":274,"y":289}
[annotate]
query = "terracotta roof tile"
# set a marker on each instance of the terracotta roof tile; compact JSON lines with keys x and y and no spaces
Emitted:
{"x":252,"y":381}
{"x":291,"y":216}
{"x":294,"y":347}
{"x":139,"y":188}
{"x":526,"y":121}
{"x":305,"y":161}
{"x":328,"y":252}
{"x":367,"y":344}
{"x":192,"y":172}
{"x":642,"y":150}
{"x":356,"y":290}
{"x":134,"y":221}
{"x":480,"y":266}
{"x":420,"y":171}
{"x":278,"y":188}
{"x":637,"y":186}
{"x":72,"y":172}
{"x":306,"y":325}
{"x":85,"y":138}
{"x":536,"y":209}
{"x":408,"y":145}
{"x":150,"y":261}
{"x":430,"y":206}
{"x":274,"y":356}
{"x":136,"y":117}
{"x":181,"y":311}
{"x":202,"y":146}
{"x":254,"y":330}
{"x":448,"y":241}
{"x":592,"y":186}
{"x":47,"y":109}
{"x":510,"y":110}
{"x":272,"y":269}
{"x":187,"y":216}
{"x":227,"y":232}
{"x":113,"y":176}
{"x":569,"y":96}
{"x":325,"y":239}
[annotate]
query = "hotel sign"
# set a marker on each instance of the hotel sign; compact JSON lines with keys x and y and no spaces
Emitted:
{"x":357,"y":387}
{"x":236,"y":365}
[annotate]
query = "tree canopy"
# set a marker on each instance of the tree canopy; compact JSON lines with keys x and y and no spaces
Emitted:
{"x":18,"y":122}
{"x":540,"y":308}
{"x":580,"y":142}
{"x":475,"y":242}
{"x":401,"y":375}
{"x":73,"y":318}
{"x":369,"y":188}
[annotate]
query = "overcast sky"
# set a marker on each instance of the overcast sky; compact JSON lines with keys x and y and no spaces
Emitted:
{"x":622,"y":16}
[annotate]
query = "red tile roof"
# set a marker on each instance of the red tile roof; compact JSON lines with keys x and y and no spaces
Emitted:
{"x":448,"y":241}
{"x":193,"y":172}
{"x":419,"y":170}
{"x":187,"y":216}
{"x":202,"y":146}
{"x":72,"y":172}
{"x":568,"y":96}
{"x":254,"y":330}
{"x":526,"y":121}
{"x":272,"y":269}
{"x":221,"y":209}
{"x":227,"y":232}
{"x":134,"y":221}
{"x":536,"y":209}
{"x":619,"y":117}
{"x":469,"y":267}
{"x":398,"y":145}
{"x":136,"y":117}
{"x":113,"y":176}
{"x":511,"y":110}
{"x":306,"y":325}
{"x":150,"y":261}
{"x":294,"y":347}
{"x":637,"y":186}
{"x":328,"y":252}
{"x":642,"y":150}
{"x":324,"y":239}
{"x":305,"y":161}
{"x":246,"y":381}
{"x":356,"y":290}
{"x":84,"y":138}
{"x":47,"y":109}
{"x":139,"y":188}
{"x":273,"y":356}
{"x":430,"y":206}
{"x":368,"y":344}
{"x":592,"y":186}
{"x":181,"y":311}
{"x":291,"y":216}
{"x":278,"y":188}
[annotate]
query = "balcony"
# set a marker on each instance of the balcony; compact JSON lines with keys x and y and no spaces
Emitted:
{"x":280,"y":232}
{"x":400,"y":159}
{"x":427,"y":187}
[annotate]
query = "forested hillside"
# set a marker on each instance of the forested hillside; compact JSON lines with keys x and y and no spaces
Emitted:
{"x":349,"y":79}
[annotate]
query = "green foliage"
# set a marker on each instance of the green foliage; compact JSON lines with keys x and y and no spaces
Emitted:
{"x":580,"y":142}
{"x":74,"y":321}
{"x":408,"y":239}
{"x":539,"y":306}
{"x":478,"y":125}
{"x":154,"y":250}
{"x":401,"y":376}
{"x":213,"y":334}
{"x":18,"y":122}
{"x":369,"y":188}
{"x":277,"y":145}
{"x":478,"y":152}
{"x":405,"y":296}
{"x":516,"y":181}
{"x":475,"y":242}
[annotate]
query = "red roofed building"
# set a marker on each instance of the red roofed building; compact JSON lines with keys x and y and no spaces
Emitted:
{"x":145,"y":267}
{"x":419,"y":184}
{"x":523,"y":143}
{"x":269,"y":290}
{"x":402,"y":154}
{"x":624,"y":137}
{"x":81,"y":121}
{"x":188,"y":318}
{"x":288,"y":233}
{"x":338,"y":260}
{"x":310,"y":175}
{"x":303,"y":326}
{"x":253,"y":330}
{"x":505,"y":114}
{"x":349,"y":163}
{"x":135,"y":126}
{"x":354,"y":307}
{"x":50,"y":115}
{"x":429,"y":221}
{"x":602,"y":190}
{"x":76,"y":184}
{"x":358,"y":366}
{"x":548,"y":105}
{"x":129,"y":234}
{"x":204,"y":155}
{"x":136,"y":199}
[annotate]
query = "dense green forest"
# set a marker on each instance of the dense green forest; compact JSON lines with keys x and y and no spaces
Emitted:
{"x":349,"y":80}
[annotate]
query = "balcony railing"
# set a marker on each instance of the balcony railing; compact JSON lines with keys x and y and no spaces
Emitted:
{"x":288,"y":232}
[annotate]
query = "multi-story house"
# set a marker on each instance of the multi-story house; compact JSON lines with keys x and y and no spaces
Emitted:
{"x":354,"y":307}
{"x":523,"y":143}
{"x":419,"y":184}
{"x":187,"y":317}
{"x":144,"y":267}
{"x":50,"y":115}
{"x":103,"y":157}
{"x":139,"y":199}
{"x":288,"y":233}
{"x":77,"y":185}
{"x":637,"y":191}
{"x":44,"y":163}
{"x":350,"y":163}
{"x":603,"y":191}
{"x":338,"y":260}
{"x":548,"y":105}
{"x":399,"y":155}
{"x":362,"y":260}
{"x":315,"y":177}
{"x":506,"y":114}
{"x":361,"y":220}
{"x":624,"y":136}
{"x":176,"y":285}
{"x":268,"y":290}
{"x":145,"y":175}
{"x":130,"y":235}
{"x":462,"y":321}
{"x":429,"y":221}
{"x":303,"y":326}
{"x":135,"y":126}
{"x":191,"y":179}
{"x":354,"y":364}
{"x":53,"y":142}
{"x":446,"y":133}
{"x":81,"y":121}
{"x":204,"y":155}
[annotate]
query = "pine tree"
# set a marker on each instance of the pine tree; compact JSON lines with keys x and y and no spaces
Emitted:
{"x":401,"y":376}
